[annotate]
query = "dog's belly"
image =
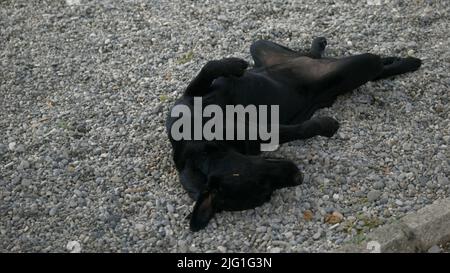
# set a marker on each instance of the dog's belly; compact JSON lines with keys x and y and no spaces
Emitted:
{"x":257,"y":88}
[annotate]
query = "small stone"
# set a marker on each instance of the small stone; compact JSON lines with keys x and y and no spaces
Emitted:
{"x":20,"y":148}
{"x":158,"y":109}
{"x":446,"y":138}
{"x":306,"y":206}
{"x":329,"y":210}
{"x":298,"y":192}
{"x":393,"y":185}
{"x":435,"y":249}
{"x":442,"y":180}
{"x":439,"y":108}
{"x":140,"y":227}
{"x":26,"y":182}
{"x":82,"y":128}
{"x":73,"y":247}
{"x":334,"y":218}
{"x":116,"y":179}
{"x":73,"y":204}
{"x":72,"y":2}
{"x":261,"y":229}
{"x":343,"y":136}
{"x":399,"y":203}
{"x":336,"y":197}
{"x":170,"y":208}
{"x":2,"y":149}
{"x":275,"y":250}
{"x":378,"y":185}
{"x":408,"y":107}
{"x":317,"y":235}
{"x":12,"y":146}
{"x":24,"y":165}
{"x":358,"y":145}
{"x":373,"y":195}
{"x":308,"y":215}
{"x":222,"y":249}
{"x":192,"y":248}
{"x":52,"y":212}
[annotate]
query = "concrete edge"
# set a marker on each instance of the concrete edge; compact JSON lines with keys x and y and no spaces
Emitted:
{"x":415,"y":232}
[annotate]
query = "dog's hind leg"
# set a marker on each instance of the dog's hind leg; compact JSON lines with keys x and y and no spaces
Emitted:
{"x":266,"y":53}
{"x":323,"y":80}
{"x":394,"y":66}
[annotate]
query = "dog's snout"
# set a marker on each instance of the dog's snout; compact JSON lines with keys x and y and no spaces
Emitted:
{"x":298,"y":178}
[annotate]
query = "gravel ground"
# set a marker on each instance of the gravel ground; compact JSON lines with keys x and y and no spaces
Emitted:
{"x":442,"y":248}
{"x":86,"y":85}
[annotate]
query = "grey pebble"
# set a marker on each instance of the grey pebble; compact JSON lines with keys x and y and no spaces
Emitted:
{"x":373,"y":195}
{"x":378,"y":185}
{"x":435,"y":249}
{"x":222,"y":249}
{"x":261,"y":229}
{"x":442,"y":180}
{"x":116,"y":179}
{"x":317,"y":235}
{"x":12,"y":146}
{"x":52,"y":212}
{"x":26,"y":182}
{"x":358,"y":146}
{"x":275,"y":250}
{"x":24,"y":164}
{"x":170,"y":208}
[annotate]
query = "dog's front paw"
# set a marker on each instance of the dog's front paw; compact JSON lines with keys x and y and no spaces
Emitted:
{"x":233,"y":66}
{"x":328,"y":126}
{"x":412,"y":63}
{"x":226,"y":67}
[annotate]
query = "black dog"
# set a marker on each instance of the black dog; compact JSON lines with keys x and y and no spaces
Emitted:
{"x":228,"y":175}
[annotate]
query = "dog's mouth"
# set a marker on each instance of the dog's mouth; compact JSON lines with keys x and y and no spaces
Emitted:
{"x":284,"y":172}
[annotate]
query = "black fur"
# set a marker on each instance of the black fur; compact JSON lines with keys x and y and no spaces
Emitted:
{"x":228,"y":175}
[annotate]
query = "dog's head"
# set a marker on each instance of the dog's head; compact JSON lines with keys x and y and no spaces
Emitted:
{"x":219,"y":178}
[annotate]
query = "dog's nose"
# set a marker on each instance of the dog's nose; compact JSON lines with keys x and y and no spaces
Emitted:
{"x":298,"y":178}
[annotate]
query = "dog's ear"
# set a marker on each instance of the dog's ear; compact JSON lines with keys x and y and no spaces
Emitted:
{"x":203,"y":211}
